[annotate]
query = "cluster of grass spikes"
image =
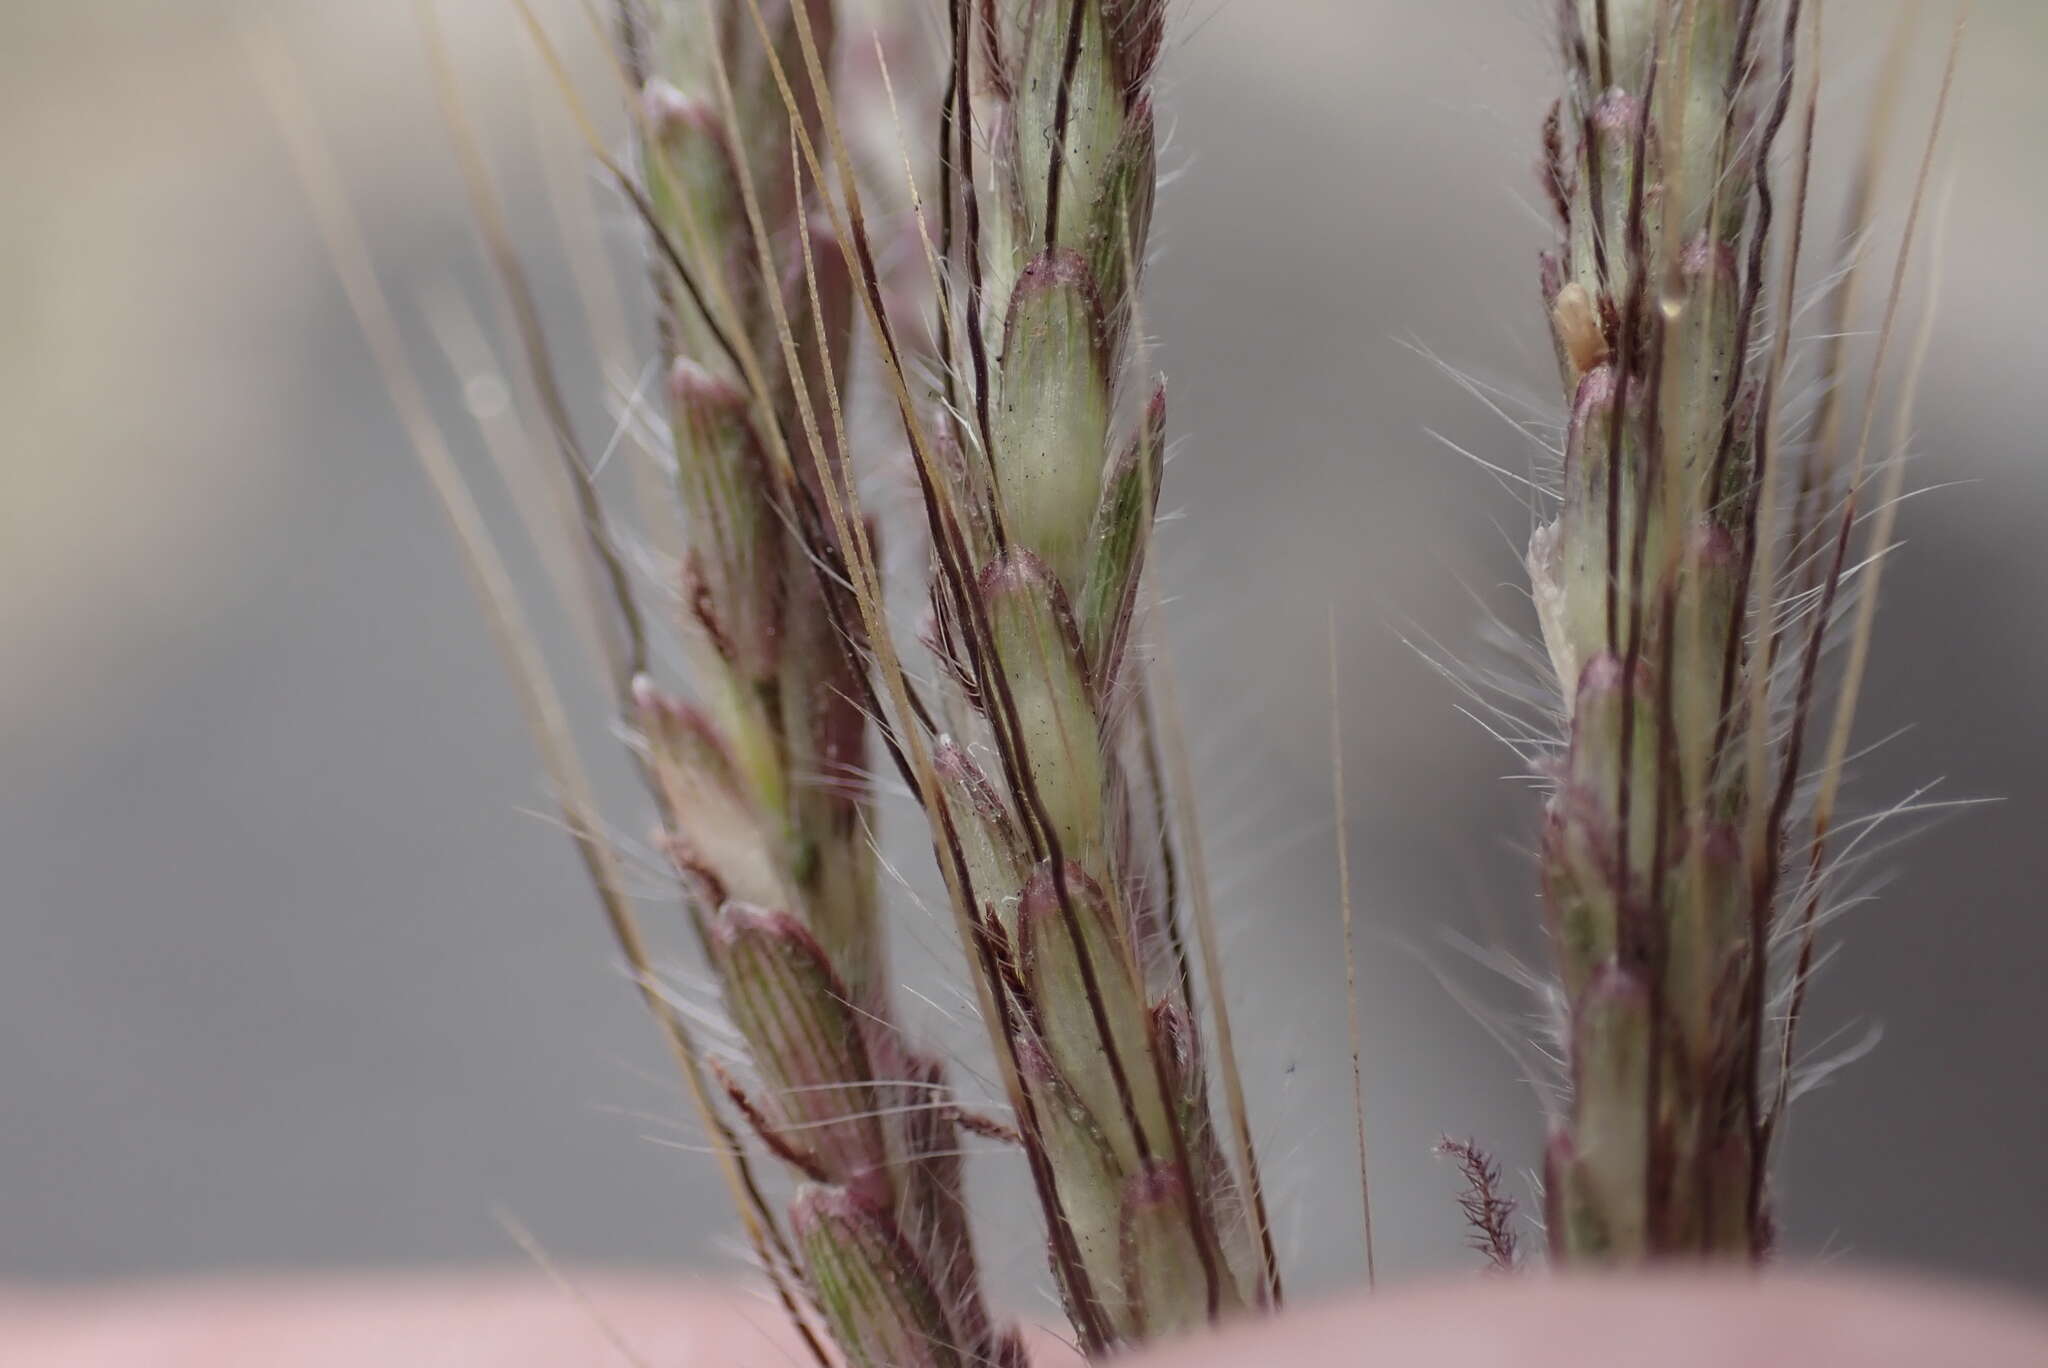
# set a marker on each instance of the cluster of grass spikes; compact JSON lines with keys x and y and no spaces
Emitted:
{"x":1690,"y":573}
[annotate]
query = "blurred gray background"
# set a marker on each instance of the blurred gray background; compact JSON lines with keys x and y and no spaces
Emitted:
{"x":291,"y":974}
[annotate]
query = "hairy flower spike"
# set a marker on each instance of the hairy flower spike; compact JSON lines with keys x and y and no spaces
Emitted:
{"x":1662,"y":592}
{"x":764,"y":786}
{"x":1644,"y":310}
{"x":1041,"y":551}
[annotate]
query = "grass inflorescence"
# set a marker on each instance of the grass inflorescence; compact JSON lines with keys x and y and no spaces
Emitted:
{"x":1688,"y":582}
{"x":1693,"y":576}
